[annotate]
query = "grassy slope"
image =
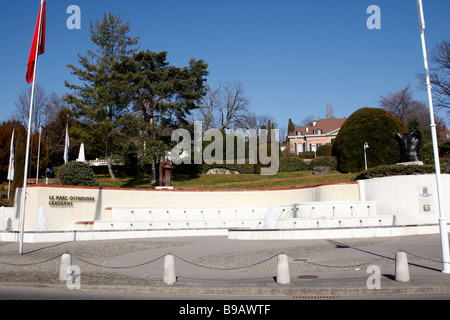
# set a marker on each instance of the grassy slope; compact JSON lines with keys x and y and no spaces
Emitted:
{"x":240,"y":181}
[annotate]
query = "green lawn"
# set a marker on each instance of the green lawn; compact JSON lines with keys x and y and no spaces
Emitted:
{"x":239,"y":181}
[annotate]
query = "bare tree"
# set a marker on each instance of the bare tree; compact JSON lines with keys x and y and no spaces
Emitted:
{"x":209,"y":105}
{"x":402,"y":105}
{"x":308,"y":120}
{"x":234,"y":106}
{"x":225,"y":107}
{"x":40,"y":108}
{"x":440,"y":74}
{"x":255,"y":121}
{"x":330,"y":111}
{"x":411,"y":112}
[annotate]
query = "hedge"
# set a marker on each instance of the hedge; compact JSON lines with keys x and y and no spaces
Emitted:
{"x":323,"y":162}
{"x":287,"y":164}
{"x":290,"y":164}
{"x":399,"y":170}
{"x":427,"y":155}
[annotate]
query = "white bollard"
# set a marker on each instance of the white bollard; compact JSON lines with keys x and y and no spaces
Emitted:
{"x":65,"y":271}
{"x":283,"y":276}
{"x":401,"y":267}
{"x":169,"y":270}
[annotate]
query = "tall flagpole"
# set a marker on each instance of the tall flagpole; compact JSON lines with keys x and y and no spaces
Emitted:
{"x":442,"y":214}
{"x":27,"y":151}
{"x":39,"y":156}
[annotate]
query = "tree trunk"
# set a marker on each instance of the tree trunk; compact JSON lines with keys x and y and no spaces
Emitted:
{"x":153,"y":179}
{"x":150,"y":133}
{"x":110,"y":169}
{"x":109,"y":159}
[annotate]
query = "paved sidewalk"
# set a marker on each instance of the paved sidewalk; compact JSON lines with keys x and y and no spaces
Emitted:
{"x":216,"y":265}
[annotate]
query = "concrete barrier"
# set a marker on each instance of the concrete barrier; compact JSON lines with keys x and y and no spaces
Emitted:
{"x":169,"y":270}
{"x":65,"y":271}
{"x":283,"y":276}
{"x":401,"y":267}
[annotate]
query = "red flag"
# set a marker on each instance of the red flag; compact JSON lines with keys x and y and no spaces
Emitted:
{"x":41,"y":46}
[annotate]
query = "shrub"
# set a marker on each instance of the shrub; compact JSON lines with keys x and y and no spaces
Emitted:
{"x":427,"y":155}
{"x":378,"y":128}
{"x":323,"y":162}
{"x":325,"y":150}
{"x":290,"y":164}
{"x":307,"y":155}
{"x":77,"y":174}
{"x":394,"y":170}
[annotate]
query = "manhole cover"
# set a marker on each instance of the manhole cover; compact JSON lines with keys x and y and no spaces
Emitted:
{"x":307,"y":277}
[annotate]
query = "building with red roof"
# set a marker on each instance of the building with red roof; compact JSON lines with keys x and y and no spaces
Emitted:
{"x":309,"y":138}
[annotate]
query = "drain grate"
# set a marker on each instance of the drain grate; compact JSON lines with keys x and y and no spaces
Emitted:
{"x":307,"y":277}
{"x":313,"y":297}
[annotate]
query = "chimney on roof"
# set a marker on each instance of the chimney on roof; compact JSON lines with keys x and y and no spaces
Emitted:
{"x":314,"y":123}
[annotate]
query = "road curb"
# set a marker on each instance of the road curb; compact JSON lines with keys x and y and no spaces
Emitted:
{"x":290,"y":292}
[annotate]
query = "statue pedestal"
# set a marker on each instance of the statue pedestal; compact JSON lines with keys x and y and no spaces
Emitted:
{"x":411,"y":163}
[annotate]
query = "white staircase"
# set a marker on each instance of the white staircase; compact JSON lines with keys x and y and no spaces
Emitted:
{"x":296,"y":216}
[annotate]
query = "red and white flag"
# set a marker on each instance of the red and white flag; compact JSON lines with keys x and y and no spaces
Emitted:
{"x":39,"y":36}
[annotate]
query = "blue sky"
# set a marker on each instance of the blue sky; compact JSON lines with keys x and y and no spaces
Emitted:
{"x":292,"y":56}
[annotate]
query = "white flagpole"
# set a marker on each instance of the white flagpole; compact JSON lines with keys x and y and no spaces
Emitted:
{"x":39,"y":156}
{"x":27,"y":151}
{"x":442,"y":216}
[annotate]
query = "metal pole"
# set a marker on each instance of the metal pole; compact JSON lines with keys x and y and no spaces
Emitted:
{"x":39,"y":156}
{"x":27,"y":151}
{"x":442,"y":216}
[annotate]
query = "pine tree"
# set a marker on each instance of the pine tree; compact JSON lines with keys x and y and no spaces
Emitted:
{"x":162,"y":95}
{"x":99,"y":99}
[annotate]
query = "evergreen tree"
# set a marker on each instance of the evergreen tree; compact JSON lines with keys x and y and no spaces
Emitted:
{"x":291,"y":127}
{"x":20,"y":138}
{"x":378,"y":128}
{"x":163,"y":96}
{"x":99,"y":100}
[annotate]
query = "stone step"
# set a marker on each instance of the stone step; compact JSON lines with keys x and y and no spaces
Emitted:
{"x":258,"y":224}
{"x":302,"y":210}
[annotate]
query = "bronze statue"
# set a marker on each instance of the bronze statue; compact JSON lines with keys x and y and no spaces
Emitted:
{"x":409,"y":144}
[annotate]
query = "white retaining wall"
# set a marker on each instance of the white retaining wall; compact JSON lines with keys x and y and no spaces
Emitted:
{"x":375,"y":207}
{"x":411,"y":199}
{"x":76,"y":208}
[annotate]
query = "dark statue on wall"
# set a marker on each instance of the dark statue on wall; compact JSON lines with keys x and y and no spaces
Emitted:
{"x":409,"y":144}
